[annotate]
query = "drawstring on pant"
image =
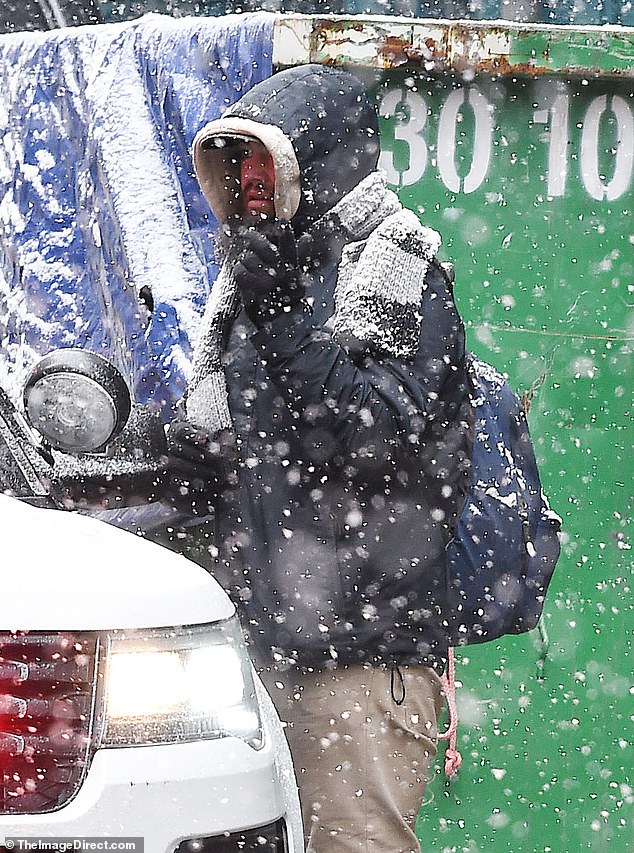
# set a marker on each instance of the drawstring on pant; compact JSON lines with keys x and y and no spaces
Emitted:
{"x":398,"y":700}
{"x":453,"y":759}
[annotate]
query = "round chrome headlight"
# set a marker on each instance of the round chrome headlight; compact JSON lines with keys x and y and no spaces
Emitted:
{"x":78,"y":401}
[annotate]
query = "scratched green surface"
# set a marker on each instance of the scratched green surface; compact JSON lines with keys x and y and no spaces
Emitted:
{"x":557,"y":50}
{"x":546,"y":286}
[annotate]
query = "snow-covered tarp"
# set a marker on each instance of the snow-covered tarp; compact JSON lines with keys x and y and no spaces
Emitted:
{"x":100,"y":214}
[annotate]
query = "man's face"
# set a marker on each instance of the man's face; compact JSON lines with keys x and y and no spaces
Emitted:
{"x":257,"y":182}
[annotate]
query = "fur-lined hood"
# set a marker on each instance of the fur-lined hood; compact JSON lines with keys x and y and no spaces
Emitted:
{"x":320,"y":130}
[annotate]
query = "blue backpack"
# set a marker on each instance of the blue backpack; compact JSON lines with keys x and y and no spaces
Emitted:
{"x":505,"y":546}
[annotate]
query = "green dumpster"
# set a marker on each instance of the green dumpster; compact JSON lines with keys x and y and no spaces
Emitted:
{"x":517,"y":143}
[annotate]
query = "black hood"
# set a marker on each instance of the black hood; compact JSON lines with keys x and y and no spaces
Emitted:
{"x":333,"y":132}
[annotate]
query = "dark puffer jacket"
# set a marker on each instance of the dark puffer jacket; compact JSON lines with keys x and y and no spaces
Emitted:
{"x":352,"y":467}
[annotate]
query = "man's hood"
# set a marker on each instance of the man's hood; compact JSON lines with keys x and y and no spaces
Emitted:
{"x":320,"y":130}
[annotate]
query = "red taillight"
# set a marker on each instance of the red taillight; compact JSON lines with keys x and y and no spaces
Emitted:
{"x":46,"y":696}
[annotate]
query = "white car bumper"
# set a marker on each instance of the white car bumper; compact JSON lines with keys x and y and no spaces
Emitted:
{"x":170,"y":793}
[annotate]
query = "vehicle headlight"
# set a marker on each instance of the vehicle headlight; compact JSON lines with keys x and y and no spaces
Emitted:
{"x":77,"y":400}
{"x":178,"y":686}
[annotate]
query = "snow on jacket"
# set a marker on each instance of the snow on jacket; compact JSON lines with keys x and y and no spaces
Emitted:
{"x":353,"y":447}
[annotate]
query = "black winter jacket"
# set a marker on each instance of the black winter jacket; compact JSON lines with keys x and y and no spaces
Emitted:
{"x":353,"y":467}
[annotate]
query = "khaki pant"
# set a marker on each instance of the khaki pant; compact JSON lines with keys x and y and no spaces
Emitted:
{"x":362,"y":760}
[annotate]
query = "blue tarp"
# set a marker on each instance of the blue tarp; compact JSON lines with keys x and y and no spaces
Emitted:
{"x":98,"y":199}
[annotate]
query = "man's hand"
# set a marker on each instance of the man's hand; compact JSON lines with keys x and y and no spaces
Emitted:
{"x":199,"y":465}
{"x":267,"y":273}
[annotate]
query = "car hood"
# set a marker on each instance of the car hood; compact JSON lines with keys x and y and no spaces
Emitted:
{"x":65,"y":571}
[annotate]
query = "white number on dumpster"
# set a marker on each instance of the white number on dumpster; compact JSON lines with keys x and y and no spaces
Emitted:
{"x":408,"y":129}
{"x":483,"y":120}
{"x":593,"y":181}
{"x":605,"y":172}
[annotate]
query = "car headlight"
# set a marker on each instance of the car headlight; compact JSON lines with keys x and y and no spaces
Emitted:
{"x":180,"y":685}
{"x":77,"y":400}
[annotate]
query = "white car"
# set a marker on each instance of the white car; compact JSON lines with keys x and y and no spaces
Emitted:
{"x":128,"y":703}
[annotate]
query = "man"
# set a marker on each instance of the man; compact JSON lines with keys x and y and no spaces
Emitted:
{"x":328,"y":430}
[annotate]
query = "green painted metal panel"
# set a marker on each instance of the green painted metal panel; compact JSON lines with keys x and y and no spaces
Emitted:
{"x":530,"y":183}
{"x":517,"y":144}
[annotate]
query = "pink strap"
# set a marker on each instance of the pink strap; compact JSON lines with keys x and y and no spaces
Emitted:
{"x":453,"y":759}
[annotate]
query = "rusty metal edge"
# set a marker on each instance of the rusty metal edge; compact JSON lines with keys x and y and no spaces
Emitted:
{"x":498,"y":48}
